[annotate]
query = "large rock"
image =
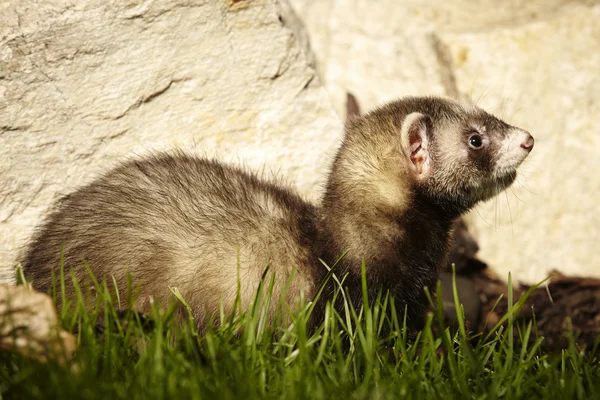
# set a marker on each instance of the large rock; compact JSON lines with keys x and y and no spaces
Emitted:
{"x":85,"y":83}
{"x":370,"y":50}
{"x":534,"y":63}
{"x":386,"y":49}
{"x":545,"y":77}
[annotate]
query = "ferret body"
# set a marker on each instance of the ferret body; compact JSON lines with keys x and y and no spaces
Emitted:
{"x":403,"y":174}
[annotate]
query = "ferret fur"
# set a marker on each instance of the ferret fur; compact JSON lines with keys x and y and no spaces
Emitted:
{"x":401,"y":177}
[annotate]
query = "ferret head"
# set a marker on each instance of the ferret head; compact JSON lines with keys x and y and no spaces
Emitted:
{"x":452,"y":154}
{"x":460,"y":154}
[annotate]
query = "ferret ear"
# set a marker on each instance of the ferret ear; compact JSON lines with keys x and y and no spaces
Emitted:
{"x":416,"y":130}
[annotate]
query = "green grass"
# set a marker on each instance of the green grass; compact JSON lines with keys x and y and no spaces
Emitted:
{"x":348,"y":357}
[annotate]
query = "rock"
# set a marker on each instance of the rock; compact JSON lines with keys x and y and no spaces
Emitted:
{"x":542,"y":76}
{"x":84,"y":84}
{"x":534,"y":63}
{"x":360,"y":50}
{"x":30,"y":326}
{"x":391,"y":49}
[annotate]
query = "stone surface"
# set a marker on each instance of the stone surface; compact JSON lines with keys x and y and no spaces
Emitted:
{"x":534,"y":63}
{"x":545,"y":77}
{"x":29,"y":325}
{"x":384,"y":50}
{"x":83,"y":84}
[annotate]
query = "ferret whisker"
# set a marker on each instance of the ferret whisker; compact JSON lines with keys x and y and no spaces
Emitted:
{"x":503,"y":104}
{"x":523,"y":186}
{"x":515,"y":193}
{"x":479,"y":208}
{"x":509,"y":213}
{"x":496,"y":213}
{"x":482,"y":95}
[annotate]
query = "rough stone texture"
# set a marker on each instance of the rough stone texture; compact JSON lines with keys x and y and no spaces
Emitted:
{"x":369,"y":50}
{"x":550,"y":85}
{"x":29,"y":325}
{"x":534,"y":63}
{"x":386,"y":49}
{"x":85,"y":83}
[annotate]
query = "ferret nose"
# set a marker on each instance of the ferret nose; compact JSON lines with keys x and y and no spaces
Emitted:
{"x":528,"y":143}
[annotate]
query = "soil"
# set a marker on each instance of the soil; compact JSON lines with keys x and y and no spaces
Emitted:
{"x":560,"y":308}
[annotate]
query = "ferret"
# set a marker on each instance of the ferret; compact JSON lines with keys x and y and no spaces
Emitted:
{"x":403,"y":174}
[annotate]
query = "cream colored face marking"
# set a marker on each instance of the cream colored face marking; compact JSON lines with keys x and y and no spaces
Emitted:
{"x":480,"y":128}
{"x":511,"y":152}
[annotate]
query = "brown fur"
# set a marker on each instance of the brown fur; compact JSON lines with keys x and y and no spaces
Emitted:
{"x":178,"y":221}
{"x":403,"y":175}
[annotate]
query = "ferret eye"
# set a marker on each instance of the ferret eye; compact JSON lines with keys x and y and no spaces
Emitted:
{"x":475,"y":141}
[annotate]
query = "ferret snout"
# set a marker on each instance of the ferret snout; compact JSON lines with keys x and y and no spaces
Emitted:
{"x":527,"y":144}
{"x":510,"y":153}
